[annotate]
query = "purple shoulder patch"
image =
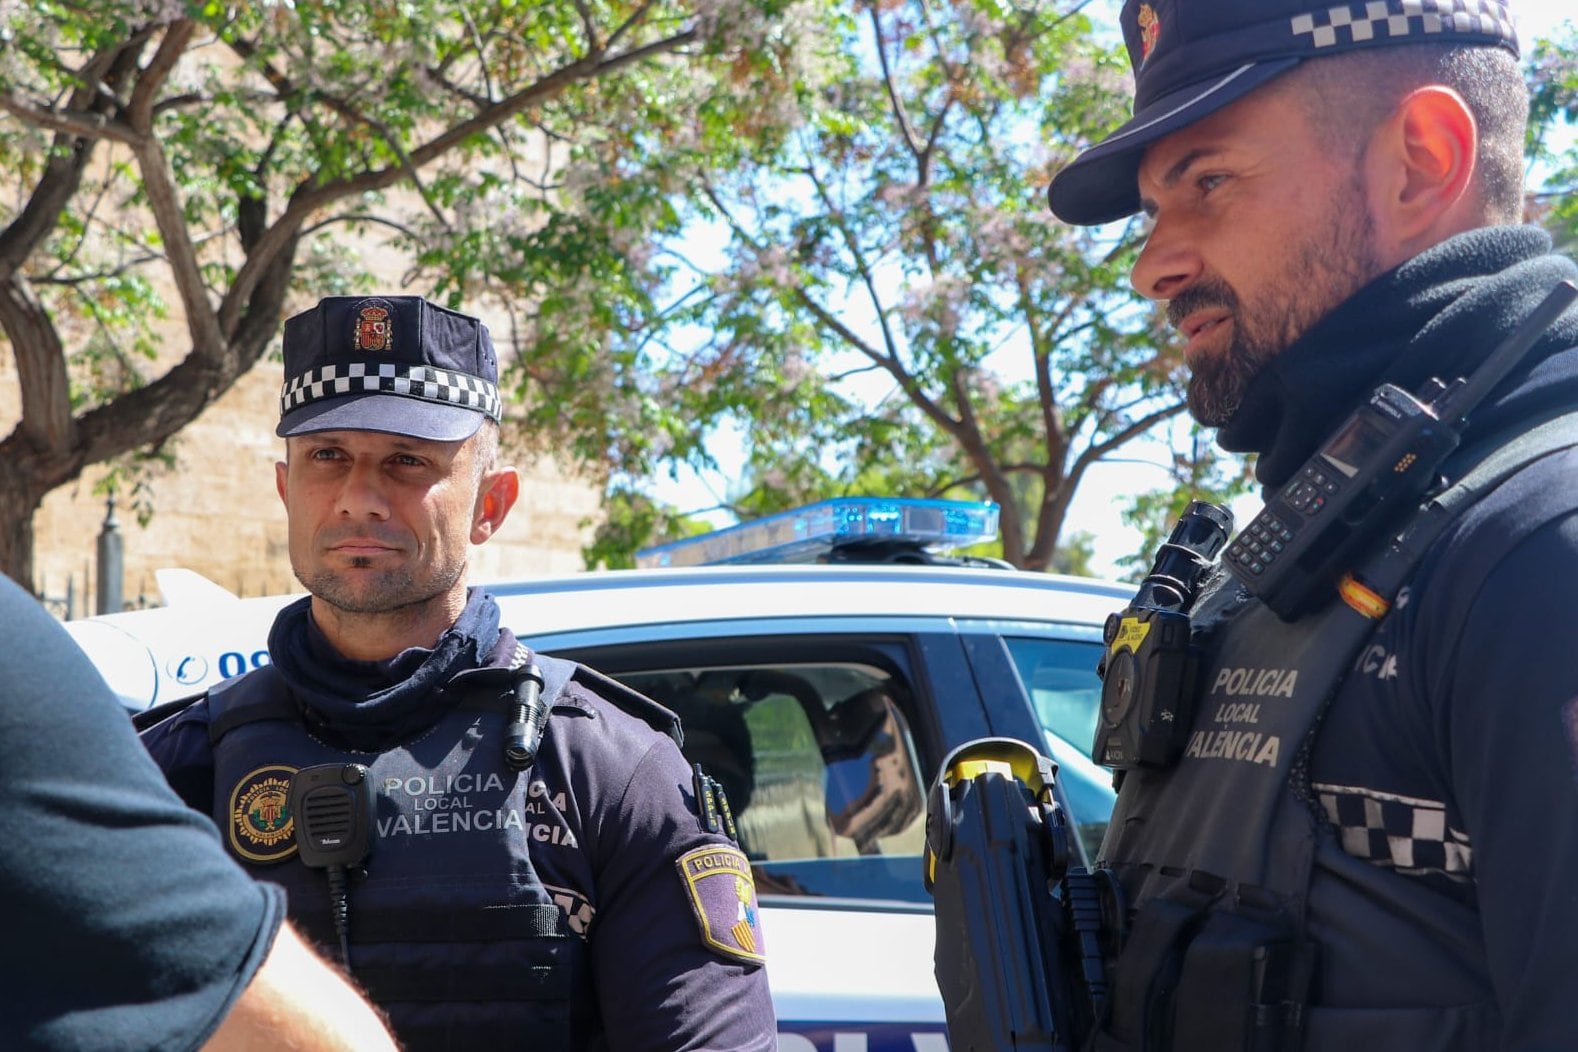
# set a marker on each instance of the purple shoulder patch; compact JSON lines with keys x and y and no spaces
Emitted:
{"x":723,"y":896}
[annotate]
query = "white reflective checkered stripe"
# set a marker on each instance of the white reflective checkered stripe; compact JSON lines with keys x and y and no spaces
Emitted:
{"x":1404,"y":833}
{"x":409,"y":381}
{"x":1390,"y":19}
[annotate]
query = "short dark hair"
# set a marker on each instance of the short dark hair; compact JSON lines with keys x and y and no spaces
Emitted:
{"x":485,"y":448}
{"x":1347,"y":95}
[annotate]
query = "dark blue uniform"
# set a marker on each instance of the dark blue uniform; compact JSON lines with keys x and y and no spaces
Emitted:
{"x":1418,"y":831}
{"x":124,"y":927}
{"x":650,"y":939}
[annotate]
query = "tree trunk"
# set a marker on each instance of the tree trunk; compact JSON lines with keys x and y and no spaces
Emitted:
{"x":19,"y":504}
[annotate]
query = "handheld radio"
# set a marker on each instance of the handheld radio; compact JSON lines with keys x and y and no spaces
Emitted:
{"x":332,"y":805}
{"x":1380,"y":463}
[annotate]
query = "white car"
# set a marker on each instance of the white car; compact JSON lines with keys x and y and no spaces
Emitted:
{"x":823,"y":697}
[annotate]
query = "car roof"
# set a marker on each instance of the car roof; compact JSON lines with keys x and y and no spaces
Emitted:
{"x":630,"y":598}
{"x":206,"y":634}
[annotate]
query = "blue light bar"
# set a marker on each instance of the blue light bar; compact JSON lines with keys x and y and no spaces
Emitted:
{"x":807,"y":534}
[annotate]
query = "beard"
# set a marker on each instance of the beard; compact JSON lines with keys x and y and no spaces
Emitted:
{"x":364,"y":590}
{"x":388,"y":592}
{"x":1325,"y":269}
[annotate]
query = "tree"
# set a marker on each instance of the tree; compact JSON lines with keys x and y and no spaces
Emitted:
{"x":886,"y":297}
{"x":883,"y":303}
{"x":1553,"y":154}
{"x":222,"y":155}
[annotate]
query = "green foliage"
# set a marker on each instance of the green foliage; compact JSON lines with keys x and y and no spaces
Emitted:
{"x":166,"y":162}
{"x":1074,"y":555}
{"x":631,"y":519}
{"x":818,"y":225}
{"x":885,"y":305}
{"x":1199,"y":472}
{"x":857,"y":274}
{"x":1552,"y":149}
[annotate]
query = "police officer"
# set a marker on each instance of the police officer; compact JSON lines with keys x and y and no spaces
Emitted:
{"x":536,"y":873}
{"x":1371,"y":846}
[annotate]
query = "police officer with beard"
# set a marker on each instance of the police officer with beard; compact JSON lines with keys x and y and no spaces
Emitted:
{"x":537,"y":874}
{"x":1334,"y":193}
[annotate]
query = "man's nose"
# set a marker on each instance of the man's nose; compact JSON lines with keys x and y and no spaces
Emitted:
{"x":1167,"y":264}
{"x":362,"y":494}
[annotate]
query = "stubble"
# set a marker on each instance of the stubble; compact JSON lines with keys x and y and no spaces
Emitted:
{"x":1321,"y":273}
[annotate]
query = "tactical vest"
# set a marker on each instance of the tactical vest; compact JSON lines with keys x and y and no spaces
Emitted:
{"x":450,"y":929}
{"x":1215,"y":855}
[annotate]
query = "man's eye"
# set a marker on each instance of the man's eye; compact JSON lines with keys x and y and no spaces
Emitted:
{"x":1207,"y":183}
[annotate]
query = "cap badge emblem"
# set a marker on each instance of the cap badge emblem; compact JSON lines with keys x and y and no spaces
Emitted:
{"x":1150,"y":31}
{"x":373,"y":329}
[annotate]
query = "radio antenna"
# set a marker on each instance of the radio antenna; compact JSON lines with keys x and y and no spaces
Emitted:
{"x":1463,"y":396}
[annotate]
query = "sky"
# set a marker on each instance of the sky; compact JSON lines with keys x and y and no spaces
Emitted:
{"x":1097,"y":503}
{"x":1536,"y":18}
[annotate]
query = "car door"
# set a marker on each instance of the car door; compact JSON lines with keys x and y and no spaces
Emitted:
{"x":826,"y":734}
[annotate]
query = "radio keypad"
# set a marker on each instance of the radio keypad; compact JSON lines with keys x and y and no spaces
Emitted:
{"x":1260,"y":544}
{"x":1308,"y":494}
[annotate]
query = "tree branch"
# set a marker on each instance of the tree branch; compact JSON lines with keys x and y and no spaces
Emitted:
{"x":139,"y":111}
{"x":308,"y":197}
{"x":911,"y":140}
{"x":75,"y":123}
{"x":208,"y":339}
{"x":637,"y":16}
{"x":890,"y":360}
{"x":47,"y":424}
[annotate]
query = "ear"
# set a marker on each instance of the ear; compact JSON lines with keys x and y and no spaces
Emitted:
{"x":281,"y":470}
{"x":500,"y":488}
{"x":1420,"y":167}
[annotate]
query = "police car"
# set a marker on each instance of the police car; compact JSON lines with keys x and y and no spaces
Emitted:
{"x":823,"y":693}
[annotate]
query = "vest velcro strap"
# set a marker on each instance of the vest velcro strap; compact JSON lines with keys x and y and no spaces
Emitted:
{"x":386,"y":984}
{"x":482,"y":924}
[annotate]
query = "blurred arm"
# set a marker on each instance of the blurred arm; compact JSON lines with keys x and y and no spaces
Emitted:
{"x":298,"y":1003}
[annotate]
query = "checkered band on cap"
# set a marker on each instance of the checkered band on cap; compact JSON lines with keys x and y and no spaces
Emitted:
{"x":1396,"y":19}
{"x":409,"y":381}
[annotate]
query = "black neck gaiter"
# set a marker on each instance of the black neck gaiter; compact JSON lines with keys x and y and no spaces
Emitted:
{"x":371,"y":705}
{"x":1439,"y":314}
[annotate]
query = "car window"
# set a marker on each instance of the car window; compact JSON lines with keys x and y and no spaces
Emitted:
{"x":819,"y":765}
{"x":1060,"y":677}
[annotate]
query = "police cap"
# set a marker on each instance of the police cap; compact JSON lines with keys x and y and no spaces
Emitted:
{"x":1192,"y":57}
{"x":396,"y":364}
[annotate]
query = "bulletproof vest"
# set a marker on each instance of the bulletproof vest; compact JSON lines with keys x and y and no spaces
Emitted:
{"x":450,"y":929}
{"x":1215,"y":854}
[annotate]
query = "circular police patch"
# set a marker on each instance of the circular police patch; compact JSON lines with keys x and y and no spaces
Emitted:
{"x":261,"y":826}
{"x":723,"y":897}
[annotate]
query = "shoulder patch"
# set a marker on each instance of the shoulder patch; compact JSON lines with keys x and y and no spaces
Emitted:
{"x":723,"y":897}
{"x":262,"y":828}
